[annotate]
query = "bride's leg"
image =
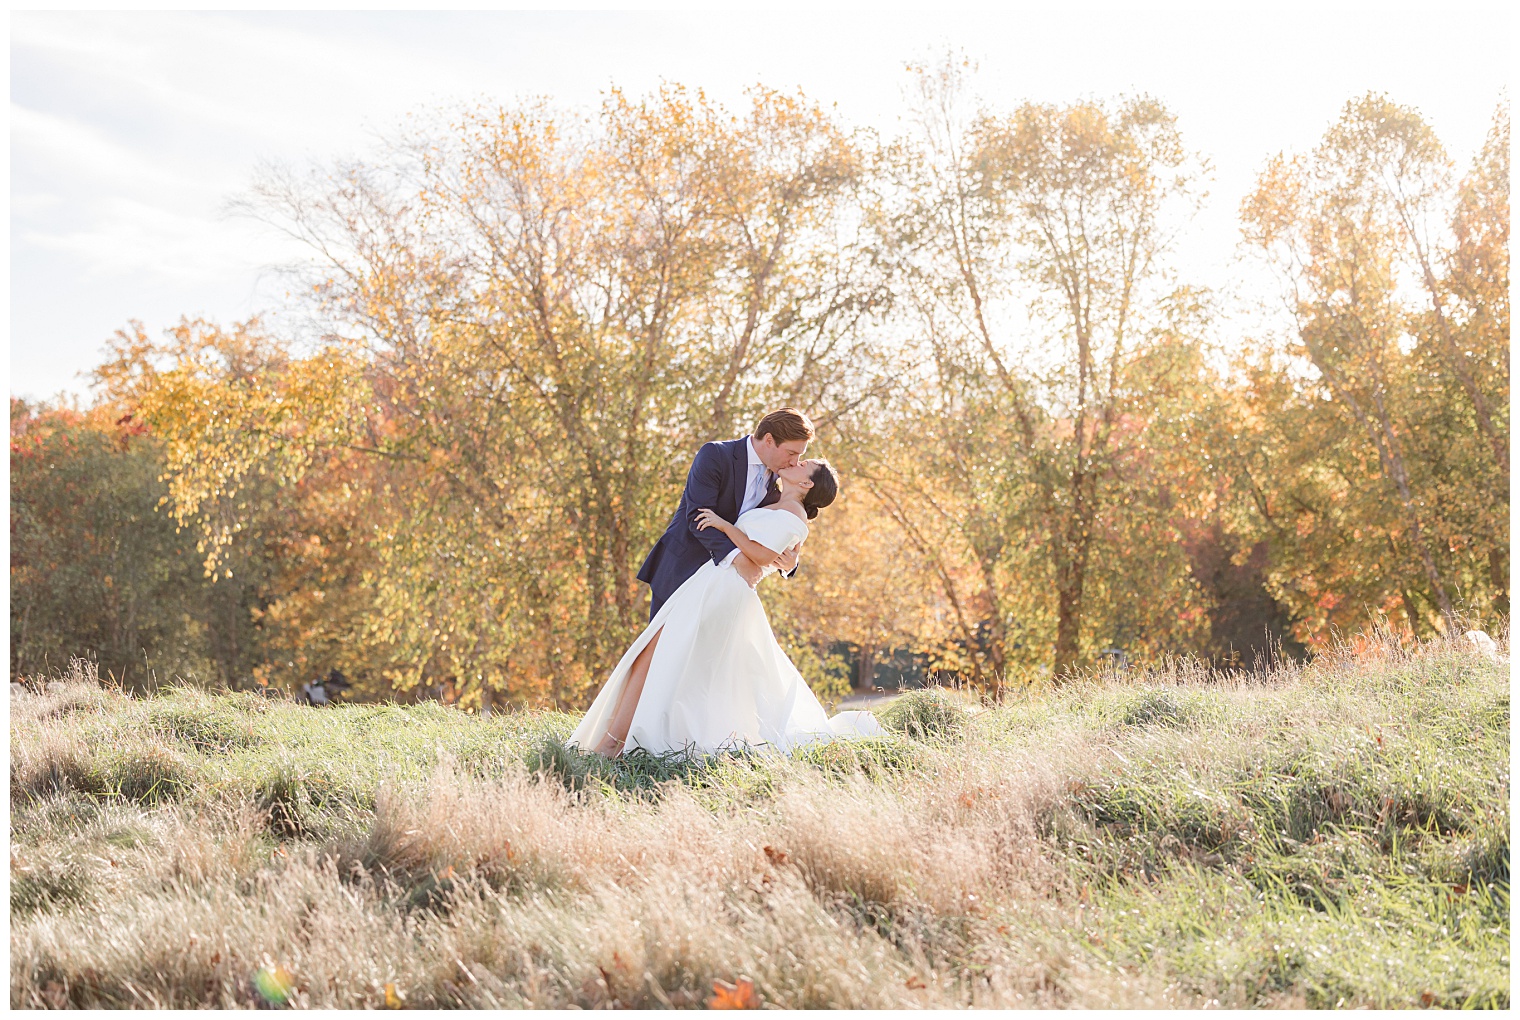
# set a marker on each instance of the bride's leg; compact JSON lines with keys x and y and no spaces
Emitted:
{"x":628,"y":700}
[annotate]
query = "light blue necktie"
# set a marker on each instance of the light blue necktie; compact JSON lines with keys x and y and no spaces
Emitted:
{"x":757,"y":487}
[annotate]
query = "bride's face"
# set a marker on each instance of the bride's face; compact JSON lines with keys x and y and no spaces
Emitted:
{"x":798,"y":476}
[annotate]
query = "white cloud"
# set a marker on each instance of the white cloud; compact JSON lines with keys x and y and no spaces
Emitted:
{"x":263,"y":80}
{"x":52,"y":148}
{"x":136,"y":237}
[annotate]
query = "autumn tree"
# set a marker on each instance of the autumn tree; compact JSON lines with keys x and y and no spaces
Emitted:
{"x":1388,"y":153}
{"x":1030,"y":247}
{"x":1395,"y":412}
{"x":293,"y":524}
{"x":1475,"y":278}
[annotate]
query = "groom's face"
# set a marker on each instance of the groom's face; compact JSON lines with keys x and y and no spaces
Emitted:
{"x":780,"y":456}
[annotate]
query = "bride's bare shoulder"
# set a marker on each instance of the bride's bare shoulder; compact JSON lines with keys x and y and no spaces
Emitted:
{"x":796,"y":512}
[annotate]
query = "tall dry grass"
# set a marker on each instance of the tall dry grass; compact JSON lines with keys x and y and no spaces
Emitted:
{"x":1329,"y":835}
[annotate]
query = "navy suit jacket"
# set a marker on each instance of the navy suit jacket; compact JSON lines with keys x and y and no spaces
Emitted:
{"x":718,"y":477}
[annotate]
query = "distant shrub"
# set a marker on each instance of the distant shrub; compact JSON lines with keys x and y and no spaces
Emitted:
{"x":148,"y":775}
{"x":53,"y":761}
{"x":47,"y":888}
{"x":1158,"y":707}
{"x":97,"y":566}
{"x":292,"y":797}
{"x":928,"y":714}
{"x":203,"y":730}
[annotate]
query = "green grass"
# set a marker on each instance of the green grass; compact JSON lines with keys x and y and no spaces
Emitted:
{"x":925,"y":715}
{"x":1335,"y":835}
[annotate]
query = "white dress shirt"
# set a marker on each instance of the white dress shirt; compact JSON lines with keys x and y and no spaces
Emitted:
{"x":756,"y":483}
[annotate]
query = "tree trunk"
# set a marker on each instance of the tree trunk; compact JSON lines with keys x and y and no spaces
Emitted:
{"x":1498,"y":578}
{"x":1071,"y":576}
{"x":1071,"y":579}
{"x":1069,"y":620}
{"x":1409,"y":612}
{"x":866,"y":678}
{"x":997,"y":634}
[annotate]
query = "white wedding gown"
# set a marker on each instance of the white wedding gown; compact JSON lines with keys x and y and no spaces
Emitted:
{"x":718,"y":680}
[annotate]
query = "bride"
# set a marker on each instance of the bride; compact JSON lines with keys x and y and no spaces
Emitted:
{"x":707,"y":673}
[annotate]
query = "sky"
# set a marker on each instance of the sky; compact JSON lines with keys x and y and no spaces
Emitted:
{"x":132,"y":132}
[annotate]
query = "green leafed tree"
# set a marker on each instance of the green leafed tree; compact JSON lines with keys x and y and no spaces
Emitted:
{"x":98,"y":572}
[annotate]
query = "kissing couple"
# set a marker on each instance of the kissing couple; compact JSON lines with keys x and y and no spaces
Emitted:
{"x":707,"y":674}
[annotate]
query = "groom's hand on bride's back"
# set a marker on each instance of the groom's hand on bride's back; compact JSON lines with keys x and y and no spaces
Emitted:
{"x":786,"y":561}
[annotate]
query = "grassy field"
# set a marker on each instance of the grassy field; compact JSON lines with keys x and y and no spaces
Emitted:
{"x":1332,"y":835}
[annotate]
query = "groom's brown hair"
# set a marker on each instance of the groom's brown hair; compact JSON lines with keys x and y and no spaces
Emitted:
{"x":785,"y":424}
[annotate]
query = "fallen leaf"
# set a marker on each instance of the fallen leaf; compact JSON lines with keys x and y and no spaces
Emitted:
{"x":915,"y":982}
{"x":275,"y":984}
{"x":736,"y":996}
{"x":775,"y":856}
{"x":392,"y":997}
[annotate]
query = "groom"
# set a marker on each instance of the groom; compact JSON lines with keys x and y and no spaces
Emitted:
{"x":727,"y":478}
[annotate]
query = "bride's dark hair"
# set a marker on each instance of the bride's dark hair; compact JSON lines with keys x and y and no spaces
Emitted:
{"x":825,"y":488}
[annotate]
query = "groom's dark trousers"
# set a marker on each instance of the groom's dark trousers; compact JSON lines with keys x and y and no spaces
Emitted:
{"x":716,"y":481}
